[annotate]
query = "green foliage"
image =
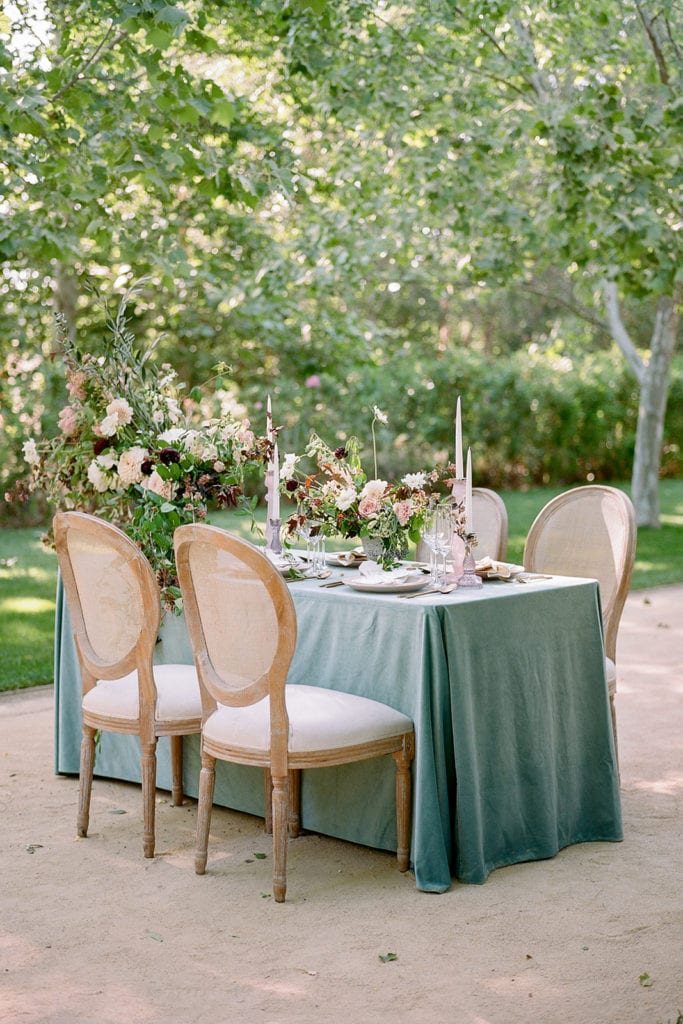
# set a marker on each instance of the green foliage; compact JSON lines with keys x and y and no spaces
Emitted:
{"x":349,"y":193}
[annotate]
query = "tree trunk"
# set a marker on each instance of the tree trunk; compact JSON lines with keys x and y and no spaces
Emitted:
{"x":66,"y":295}
{"x":653,"y":378}
{"x":654,"y":391}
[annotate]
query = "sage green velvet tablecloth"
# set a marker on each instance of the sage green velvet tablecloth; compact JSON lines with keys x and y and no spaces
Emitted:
{"x":514,"y":751}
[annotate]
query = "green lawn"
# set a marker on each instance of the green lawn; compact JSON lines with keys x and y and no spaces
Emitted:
{"x":28,"y":577}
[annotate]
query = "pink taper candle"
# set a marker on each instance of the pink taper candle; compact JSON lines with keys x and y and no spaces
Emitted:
{"x":468,"y":494}
{"x":458,"y":442}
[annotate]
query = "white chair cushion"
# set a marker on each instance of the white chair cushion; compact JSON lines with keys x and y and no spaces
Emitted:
{"x":178,"y":695}
{"x":319,"y":719}
{"x":611,"y":674}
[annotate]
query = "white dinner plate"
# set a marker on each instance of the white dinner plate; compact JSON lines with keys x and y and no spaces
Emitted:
{"x":337,"y":558}
{"x":373,"y":586}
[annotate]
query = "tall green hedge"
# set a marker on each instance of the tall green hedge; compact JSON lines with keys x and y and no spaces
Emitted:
{"x":535,"y":418}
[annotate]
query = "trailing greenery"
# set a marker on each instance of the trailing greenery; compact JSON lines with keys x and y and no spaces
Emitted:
{"x":28,"y":576}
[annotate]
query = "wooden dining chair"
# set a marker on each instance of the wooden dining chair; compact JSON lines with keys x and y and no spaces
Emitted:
{"x":115,"y":610}
{"x":490,"y":520}
{"x":242,"y":625}
{"x":589,"y":531}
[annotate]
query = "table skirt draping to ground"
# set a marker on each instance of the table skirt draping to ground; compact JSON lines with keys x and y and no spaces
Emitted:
{"x":514,"y":758}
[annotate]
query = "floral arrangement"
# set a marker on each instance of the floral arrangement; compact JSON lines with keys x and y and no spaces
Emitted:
{"x":134,"y":448}
{"x":340,"y":500}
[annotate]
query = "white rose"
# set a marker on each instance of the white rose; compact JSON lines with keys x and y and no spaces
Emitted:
{"x":374,"y":489}
{"x":109,"y":426}
{"x":121,"y":410}
{"x":346,"y":498}
{"x":415,"y":481}
{"x":100,"y":480}
{"x":130,"y":464}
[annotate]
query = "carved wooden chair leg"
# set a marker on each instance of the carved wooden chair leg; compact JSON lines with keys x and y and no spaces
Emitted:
{"x":85,"y":780}
{"x":207,"y":780}
{"x":403,"y":759}
{"x":177,"y":771}
{"x":280,"y":814}
{"x":294,"y":814}
{"x":149,"y":783}
{"x":268,"y":800}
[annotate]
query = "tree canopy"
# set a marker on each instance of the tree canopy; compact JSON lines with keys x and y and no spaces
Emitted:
{"x":335,"y":194}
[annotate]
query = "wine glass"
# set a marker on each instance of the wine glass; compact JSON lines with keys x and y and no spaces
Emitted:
{"x":443,"y":535}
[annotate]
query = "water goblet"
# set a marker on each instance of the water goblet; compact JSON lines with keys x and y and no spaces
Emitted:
{"x":443,"y":533}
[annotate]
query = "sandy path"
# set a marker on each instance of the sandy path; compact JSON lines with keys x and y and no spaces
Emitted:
{"x":91,"y":932}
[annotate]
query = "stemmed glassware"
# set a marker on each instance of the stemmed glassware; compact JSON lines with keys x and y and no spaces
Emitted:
{"x":310,"y":531}
{"x":443,"y":534}
{"x":437,"y":536}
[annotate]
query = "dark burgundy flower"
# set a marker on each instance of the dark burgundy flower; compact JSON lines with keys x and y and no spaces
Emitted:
{"x":291,"y":485}
{"x":147,"y":467}
{"x":99,"y":444}
{"x":169,"y":455}
{"x":340,"y":453}
{"x":226,"y":497}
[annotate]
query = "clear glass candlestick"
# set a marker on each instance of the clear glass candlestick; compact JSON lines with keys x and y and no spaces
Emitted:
{"x":469,"y":576}
{"x":274,"y":542}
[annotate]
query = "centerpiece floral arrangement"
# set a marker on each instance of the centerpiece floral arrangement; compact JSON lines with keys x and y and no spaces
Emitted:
{"x":135,"y":447}
{"x":339,"y":499}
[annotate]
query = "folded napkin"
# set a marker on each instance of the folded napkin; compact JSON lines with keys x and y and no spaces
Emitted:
{"x":374,"y":573}
{"x":350,"y":557}
{"x":490,"y":567}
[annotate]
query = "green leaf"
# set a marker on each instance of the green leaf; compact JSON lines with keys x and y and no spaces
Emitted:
{"x":388,"y":957}
{"x":222,"y":113}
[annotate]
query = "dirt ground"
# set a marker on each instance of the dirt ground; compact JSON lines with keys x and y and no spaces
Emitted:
{"x":91,"y":933}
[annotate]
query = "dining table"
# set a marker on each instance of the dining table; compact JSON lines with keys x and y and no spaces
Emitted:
{"x":505,"y":684}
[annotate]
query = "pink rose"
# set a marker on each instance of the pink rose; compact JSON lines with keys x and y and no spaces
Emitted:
{"x":403,"y":511}
{"x":67,"y":421}
{"x":368,"y":507}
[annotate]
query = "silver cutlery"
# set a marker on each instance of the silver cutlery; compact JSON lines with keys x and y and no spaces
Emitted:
{"x":430,"y":590}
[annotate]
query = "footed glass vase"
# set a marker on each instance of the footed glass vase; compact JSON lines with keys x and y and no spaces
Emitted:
{"x":386,"y":551}
{"x":457,"y":557}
